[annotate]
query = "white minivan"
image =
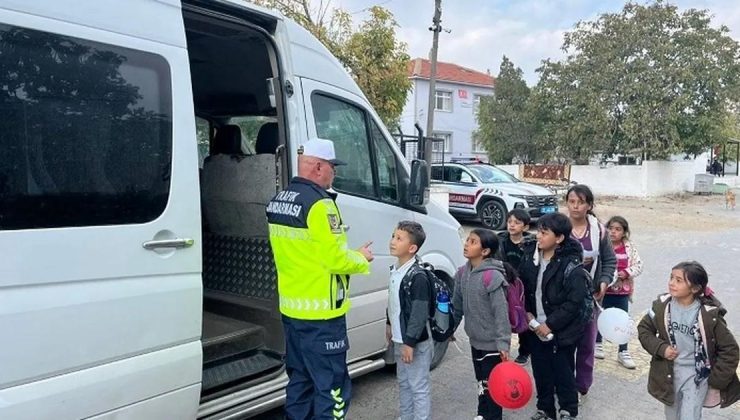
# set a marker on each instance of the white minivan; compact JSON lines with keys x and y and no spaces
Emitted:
{"x":139,"y":143}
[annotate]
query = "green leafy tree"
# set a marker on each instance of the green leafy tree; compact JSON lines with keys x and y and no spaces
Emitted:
{"x":375,"y":58}
{"x":649,"y":79}
{"x":505,"y":125}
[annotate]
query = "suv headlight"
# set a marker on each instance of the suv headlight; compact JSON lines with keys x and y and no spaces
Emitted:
{"x":461,"y":233}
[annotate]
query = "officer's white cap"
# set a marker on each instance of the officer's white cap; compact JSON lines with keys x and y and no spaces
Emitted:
{"x":322,"y":149}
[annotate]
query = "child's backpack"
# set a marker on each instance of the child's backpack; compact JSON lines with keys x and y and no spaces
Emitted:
{"x":587,"y":308}
{"x":441,"y":324}
{"x":515,"y":299}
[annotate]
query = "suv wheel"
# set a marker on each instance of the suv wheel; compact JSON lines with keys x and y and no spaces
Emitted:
{"x":493,"y":215}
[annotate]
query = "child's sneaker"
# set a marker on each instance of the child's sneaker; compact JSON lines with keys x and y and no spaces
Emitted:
{"x":599,"y":351}
{"x":625,"y":359}
{"x":565,"y":415}
{"x":478,"y":418}
{"x":540,"y":415}
{"x":581,"y":399}
{"x":521,"y":360}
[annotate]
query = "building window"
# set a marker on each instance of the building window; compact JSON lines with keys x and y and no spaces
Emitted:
{"x":437,"y":145}
{"x":443,"y":100}
{"x":476,"y":102}
{"x":478,"y":147}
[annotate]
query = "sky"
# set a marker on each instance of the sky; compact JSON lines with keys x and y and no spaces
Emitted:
{"x":526,"y":31}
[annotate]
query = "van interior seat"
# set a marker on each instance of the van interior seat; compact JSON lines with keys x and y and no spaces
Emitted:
{"x":227,"y":141}
{"x":236,"y":187}
{"x":267,"y":139}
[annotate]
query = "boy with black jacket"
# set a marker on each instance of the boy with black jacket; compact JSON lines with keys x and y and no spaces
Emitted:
{"x":409,"y":295}
{"x":556,"y":302}
{"x":511,"y":251}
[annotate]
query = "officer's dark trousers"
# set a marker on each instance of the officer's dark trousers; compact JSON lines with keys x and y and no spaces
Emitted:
{"x":316,"y":362}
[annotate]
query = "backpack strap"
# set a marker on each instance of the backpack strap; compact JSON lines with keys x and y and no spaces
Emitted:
{"x":487,"y":278}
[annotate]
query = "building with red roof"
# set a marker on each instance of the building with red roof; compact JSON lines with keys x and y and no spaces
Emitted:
{"x":458,"y":93}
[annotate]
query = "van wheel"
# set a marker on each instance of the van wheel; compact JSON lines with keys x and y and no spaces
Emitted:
{"x":440,"y":349}
{"x":492,"y":214}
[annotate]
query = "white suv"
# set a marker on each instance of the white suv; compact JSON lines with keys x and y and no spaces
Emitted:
{"x":488,"y":193}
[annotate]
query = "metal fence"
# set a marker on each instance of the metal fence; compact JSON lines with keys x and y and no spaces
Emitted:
{"x":412,"y":146}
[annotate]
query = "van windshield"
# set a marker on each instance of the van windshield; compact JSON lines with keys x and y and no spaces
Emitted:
{"x":491,"y":174}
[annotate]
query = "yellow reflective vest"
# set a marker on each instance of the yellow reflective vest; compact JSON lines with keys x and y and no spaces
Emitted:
{"x":310,"y":250}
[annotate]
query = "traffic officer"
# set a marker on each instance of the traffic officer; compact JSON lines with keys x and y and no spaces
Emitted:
{"x":313,"y":263}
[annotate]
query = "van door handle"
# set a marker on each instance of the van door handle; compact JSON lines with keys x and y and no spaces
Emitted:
{"x":169,"y":243}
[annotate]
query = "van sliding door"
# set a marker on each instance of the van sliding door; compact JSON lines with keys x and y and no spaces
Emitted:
{"x":100,"y":289}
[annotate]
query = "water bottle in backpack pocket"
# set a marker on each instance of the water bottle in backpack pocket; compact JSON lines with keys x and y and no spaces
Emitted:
{"x":442,"y":311}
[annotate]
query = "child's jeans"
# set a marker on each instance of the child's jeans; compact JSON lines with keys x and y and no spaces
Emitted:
{"x":414,"y":381}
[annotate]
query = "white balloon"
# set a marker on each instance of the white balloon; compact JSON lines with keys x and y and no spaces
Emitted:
{"x":615,"y":325}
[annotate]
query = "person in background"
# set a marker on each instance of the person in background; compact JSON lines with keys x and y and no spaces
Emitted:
{"x":599,"y":260}
{"x":619,"y":295}
{"x":517,"y":226}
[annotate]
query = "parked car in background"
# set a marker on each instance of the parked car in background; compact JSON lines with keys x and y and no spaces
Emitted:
{"x":486,"y":192}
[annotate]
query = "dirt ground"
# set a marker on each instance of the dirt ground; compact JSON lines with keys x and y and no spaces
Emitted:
{"x":683,"y":212}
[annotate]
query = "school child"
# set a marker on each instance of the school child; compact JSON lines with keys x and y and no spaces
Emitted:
{"x":687,"y":336}
{"x":599,"y":260}
{"x":619,"y":295}
{"x":556,"y":293}
{"x":511,"y":240}
{"x":479,"y":296}
{"x":409,"y":295}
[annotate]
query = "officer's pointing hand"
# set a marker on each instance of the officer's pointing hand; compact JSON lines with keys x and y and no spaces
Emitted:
{"x":366,"y":252}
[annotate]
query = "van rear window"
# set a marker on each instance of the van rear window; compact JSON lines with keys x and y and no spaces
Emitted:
{"x":85,"y":132}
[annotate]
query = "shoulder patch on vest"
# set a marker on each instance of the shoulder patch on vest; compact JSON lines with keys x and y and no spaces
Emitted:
{"x":334,"y":223}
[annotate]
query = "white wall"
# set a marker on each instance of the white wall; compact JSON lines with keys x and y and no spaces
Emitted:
{"x":652,"y":178}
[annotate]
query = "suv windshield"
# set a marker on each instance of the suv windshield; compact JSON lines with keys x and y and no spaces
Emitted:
{"x":491,"y":174}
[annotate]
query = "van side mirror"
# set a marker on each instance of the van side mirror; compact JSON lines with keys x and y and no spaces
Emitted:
{"x":418,"y":192}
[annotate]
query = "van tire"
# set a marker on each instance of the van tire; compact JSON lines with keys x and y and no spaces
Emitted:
{"x":492,"y":214}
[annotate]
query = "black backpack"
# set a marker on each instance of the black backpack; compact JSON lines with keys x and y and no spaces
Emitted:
{"x":587,"y":308}
{"x":437,"y":286}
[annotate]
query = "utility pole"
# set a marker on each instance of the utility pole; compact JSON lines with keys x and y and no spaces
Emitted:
{"x":436,"y":28}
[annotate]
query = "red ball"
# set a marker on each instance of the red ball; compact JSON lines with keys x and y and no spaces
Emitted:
{"x":510,"y":385}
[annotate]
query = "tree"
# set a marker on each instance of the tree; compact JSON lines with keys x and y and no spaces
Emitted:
{"x":646,"y":79}
{"x":505,"y":125}
{"x":376,"y":59}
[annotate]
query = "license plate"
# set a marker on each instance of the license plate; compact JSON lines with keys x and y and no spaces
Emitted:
{"x":548,"y":209}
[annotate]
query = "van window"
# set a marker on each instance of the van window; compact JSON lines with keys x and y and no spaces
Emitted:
{"x":250,"y":127}
{"x":437,"y":173}
{"x":85,"y":132}
{"x":344,"y":124}
{"x":387,"y":167}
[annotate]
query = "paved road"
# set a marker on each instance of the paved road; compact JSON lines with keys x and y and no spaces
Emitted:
{"x":617,"y":393}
